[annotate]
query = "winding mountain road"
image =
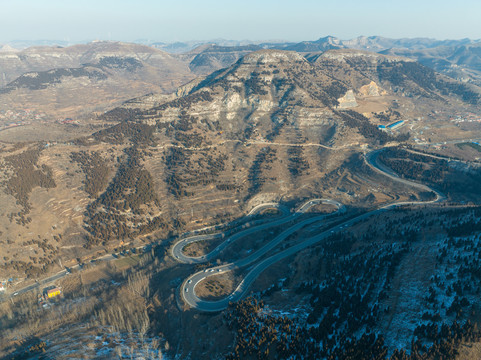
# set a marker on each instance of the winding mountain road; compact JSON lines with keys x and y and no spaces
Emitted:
{"x":246,"y":229}
{"x":250,"y":227}
{"x":188,"y":287}
{"x":372,"y":160}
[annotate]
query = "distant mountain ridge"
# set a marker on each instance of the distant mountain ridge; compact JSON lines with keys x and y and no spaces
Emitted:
{"x":379,"y":43}
{"x":459,"y":59}
{"x":372,"y":43}
{"x":461,"y":62}
{"x":44,"y":58}
{"x":41,"y":67}
{"x":64,"y":82}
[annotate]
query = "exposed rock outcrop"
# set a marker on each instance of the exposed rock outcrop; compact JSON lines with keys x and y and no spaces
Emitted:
{"x":347,"y":101}
{"x":371,"y":89}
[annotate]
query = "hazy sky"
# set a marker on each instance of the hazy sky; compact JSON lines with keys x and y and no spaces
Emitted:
{"x":180,"y":20}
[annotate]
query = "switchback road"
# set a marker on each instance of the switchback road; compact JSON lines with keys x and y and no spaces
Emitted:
{"x":245,"y":230}
{"x":188,"y":287}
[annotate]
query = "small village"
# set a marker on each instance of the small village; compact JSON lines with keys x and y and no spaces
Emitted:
{"x":466,"y":117}
{"x":14,"y":118}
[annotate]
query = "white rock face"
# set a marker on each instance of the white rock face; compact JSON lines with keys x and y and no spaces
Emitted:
{"x":31,"y":75}
{"x":341,"y":55}
{"x":347,"y":101}
{"x":371,"y":89}
{"x":232,"y":101}
{"x":272,"y":56}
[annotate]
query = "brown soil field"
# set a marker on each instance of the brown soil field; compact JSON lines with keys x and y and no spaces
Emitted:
{"x":216,"y":287}
{"x":200,"y":248}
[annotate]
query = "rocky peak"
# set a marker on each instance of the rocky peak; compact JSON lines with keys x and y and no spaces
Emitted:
{"x":8,"y":49}
{"x":262,"y":57}
{"x":331,"y":40}
{"x":344,"y":54}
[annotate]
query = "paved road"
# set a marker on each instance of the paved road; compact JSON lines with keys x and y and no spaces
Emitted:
{"x":108,"y":257}
{"x":246,"y":229}
{"x":177,"y":250}
{"x":51,"y":279}
{"x":188,"y":287}
{"x":372,"y":160}
{"x":257,"y":209}
{"x":449,"y":142}
{"x":38,"y":284}
{"x":439,"y":157}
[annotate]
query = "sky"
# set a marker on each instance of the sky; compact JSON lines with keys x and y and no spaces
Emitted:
{"x":182,"y":20}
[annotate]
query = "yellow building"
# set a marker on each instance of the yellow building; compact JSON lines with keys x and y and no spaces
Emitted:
{"x":52,"y":292}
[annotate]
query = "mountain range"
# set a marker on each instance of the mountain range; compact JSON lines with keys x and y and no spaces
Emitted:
{"x":112,"y":72}
{"x":80,"y":79}
{"x":229,"y":140}
{"x":456,"y":58}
